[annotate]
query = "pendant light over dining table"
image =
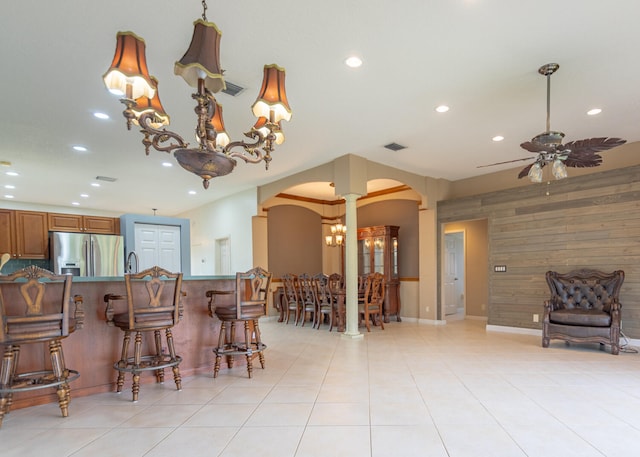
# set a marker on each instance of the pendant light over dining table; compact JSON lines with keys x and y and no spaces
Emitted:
{"x":128,"y":77}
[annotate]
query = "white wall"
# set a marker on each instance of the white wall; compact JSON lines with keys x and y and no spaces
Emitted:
{"x":230,"y":217}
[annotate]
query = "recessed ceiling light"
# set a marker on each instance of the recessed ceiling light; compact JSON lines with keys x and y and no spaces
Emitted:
{"x":75,"y":203}
{"x":95,"y":184}
{"x":12,"y":173}
{"x":100,"y":115}
{"x":192,"y":192}
{"x":8,"y":196}
{"x":594,"y":111}
{"x":9,"y":186}
{"x":353,"y":62}
{"x":442,"y":109}
{"x":80,"y":148}
{"x":167,"y":164}
{"x":84,"y":195}
{"x":498,"y":138}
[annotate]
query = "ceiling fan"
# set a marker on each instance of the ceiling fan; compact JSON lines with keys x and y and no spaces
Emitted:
{"x":548,"y":145}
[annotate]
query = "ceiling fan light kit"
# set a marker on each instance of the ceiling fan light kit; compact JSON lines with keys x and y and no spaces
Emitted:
{"x":128,"y":77}
{"x":548,"y":145}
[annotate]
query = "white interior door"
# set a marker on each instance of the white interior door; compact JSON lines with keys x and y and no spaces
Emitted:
{"x":453,"y":278}
{"x":158,"y":245}
{"x":223,"y":256}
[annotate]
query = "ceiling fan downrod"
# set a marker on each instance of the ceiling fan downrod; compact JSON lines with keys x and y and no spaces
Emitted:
{"x":549,"y":137}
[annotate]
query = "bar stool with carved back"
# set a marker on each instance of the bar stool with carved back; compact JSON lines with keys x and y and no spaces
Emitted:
{"x":154,"y":304}
{"x":250,"y":297}
{"x":35,"y":307}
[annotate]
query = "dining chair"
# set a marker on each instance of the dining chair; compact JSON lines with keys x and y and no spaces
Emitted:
{"x":370,"y":307}
{"x":324,"y":301}
{"x":307,"y":297}
{"x":291,"y":297}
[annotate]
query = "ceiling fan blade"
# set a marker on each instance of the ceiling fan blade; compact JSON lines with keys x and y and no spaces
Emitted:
{"x":533,"y":146}
{"x":501,"y":163}
{"x":582,"y":159}
{"x":592,"y":145}
{"x":525,"y":171}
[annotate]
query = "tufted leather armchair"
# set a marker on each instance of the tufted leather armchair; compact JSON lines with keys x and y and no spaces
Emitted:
{"x":584,"y":308}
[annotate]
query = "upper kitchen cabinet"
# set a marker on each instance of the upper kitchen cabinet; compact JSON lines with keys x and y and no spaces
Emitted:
{"x":83,"y":224}
{"x":23,"y":234}
{"x":7,"y":231}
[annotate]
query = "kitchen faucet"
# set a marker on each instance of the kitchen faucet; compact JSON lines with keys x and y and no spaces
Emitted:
{"x":134,"y":256}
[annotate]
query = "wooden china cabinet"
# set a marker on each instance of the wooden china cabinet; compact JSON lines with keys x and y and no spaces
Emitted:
{"x":378,"y":253}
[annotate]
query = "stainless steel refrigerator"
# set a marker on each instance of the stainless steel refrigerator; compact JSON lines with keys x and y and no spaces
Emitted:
{"x":83,"y":254}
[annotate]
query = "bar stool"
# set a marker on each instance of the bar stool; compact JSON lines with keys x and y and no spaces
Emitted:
{"x":153,"y":304}
{"x":32,"y":311}
{"x":250,"y":297}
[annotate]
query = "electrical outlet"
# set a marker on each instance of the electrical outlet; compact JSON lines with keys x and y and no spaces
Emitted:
{"x":536,"y":317}
{"x":500,"y":268}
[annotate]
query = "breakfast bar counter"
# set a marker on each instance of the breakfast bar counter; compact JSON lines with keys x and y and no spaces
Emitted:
{"x":93,"y":349}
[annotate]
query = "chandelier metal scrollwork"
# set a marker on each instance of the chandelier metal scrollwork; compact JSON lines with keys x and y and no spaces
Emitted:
{"x":215,"y":154}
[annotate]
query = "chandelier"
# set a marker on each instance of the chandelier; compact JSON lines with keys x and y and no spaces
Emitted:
{"x":337,"y":237}
{"x":128,"y":77}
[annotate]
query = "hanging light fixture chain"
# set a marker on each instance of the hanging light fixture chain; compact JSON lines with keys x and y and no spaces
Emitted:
{"x":204,"y":10}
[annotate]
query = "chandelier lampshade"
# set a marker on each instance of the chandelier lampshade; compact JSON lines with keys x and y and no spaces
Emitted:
{"x":151,"y":105}
{"x":202,"y":59}
{"x":222,"y":138}
{"x":272,"y":100}
{"x":128,"y":74}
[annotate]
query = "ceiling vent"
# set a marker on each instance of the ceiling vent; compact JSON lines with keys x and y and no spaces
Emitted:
{"x":394,"y":146}
{"x":232,"y":89}
{"x":105,"y":178}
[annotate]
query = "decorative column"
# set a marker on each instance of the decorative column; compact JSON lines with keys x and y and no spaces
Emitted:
{"x":351,"y":267}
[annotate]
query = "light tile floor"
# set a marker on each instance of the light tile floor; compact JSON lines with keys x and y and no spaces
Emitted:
{"x":411,"y":390}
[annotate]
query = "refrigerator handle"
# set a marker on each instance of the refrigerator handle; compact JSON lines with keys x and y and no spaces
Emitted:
{"x":87,"y":258}
{"x":92,"y":256}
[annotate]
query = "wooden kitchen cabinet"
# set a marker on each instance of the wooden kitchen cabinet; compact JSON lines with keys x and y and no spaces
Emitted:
{"x":378,"y":253}
{"x":59,"y":222}
{"x":7,"y":231}
{"x":24,"y":234}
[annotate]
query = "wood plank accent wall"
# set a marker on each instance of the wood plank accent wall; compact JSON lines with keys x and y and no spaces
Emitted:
{"x":590,"y":221}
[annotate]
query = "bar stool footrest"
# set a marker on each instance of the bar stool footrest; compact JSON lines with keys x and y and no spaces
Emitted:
{"x":148,"y":363}
{"x":38,"y":380}
{"x":239,"y":349}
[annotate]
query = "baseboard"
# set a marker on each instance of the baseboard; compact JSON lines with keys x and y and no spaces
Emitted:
{"x":429,"y":321}
{"x":520,"y":330}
